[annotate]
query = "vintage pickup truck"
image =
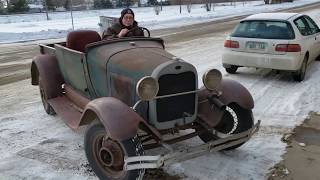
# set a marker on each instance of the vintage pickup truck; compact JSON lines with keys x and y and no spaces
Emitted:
{"x":132,"y":94}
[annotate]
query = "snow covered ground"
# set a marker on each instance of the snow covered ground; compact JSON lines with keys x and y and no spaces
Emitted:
{"x":24,"y":27}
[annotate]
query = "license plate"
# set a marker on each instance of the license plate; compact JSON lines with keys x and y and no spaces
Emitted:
{"x":256,"y":45}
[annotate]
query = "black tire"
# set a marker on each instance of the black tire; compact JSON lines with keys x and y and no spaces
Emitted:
{"x":44,"y":98}
{"x":299,"y":76}
{"x":232,"y":69}
{"x":97,"y":144}
{"x":235,"y":120}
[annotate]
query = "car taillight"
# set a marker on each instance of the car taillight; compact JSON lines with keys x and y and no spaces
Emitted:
{"x":288,"y":48}
{"x":231,"y":44}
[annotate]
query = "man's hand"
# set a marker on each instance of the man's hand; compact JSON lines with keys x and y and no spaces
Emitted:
{"x":123,"y":32}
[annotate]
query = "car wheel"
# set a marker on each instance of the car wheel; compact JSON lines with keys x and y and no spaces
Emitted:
{"x":106,"y":156}
{"x":44,"y":98}
{"x":235,"y":120}
{"x":232,"y":69}
{"x":299,"y":76}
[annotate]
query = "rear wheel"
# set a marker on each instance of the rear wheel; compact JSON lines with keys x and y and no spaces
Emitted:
{"x":232,"y":69}
{"x":106,"y":156}
{"x":299,"y":76}
{"x":44,"y":98}
{"x":235,"y":120}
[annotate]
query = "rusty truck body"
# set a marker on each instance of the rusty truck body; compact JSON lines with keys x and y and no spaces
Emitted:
{"x":130,"y":93}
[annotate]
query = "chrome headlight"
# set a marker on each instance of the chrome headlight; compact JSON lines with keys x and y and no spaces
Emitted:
{"x":147,"y":88}
{"x":211,"y":79}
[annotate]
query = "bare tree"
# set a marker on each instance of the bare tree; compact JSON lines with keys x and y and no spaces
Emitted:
{"x":208,"y":5}
{"x":189,"y":6}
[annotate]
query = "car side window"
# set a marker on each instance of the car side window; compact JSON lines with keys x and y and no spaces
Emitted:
{"x":302,"y":26}
{"x":313,"y":26}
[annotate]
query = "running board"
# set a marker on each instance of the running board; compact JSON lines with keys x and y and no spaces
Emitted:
{"x":149,"y":162}
{"x":69,"y":112}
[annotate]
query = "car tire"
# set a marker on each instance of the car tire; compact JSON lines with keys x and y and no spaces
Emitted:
{"x":232,"y":69}
{"x":106,"y":156}
{"x":44,"y":98}
{"x":235,"y":120}
{"x":300,"y":74}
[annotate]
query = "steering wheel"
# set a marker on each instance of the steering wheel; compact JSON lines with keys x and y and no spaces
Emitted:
{"x":143,"y":29}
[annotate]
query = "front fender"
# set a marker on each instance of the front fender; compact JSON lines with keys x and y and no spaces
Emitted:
{"x":46,"y":67}
{"x":119,"y":120}
{"x":232,"y":92}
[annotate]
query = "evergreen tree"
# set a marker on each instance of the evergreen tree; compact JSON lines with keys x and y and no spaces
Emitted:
{"x":17,"y":6}
{"x":97,"y":4}
{"x":2,"y":10}
{"x":102,"y":4}
{"x":49,"y":3}
{"x":152,"y":2}
{"x":124,"y":3}
{"x":107,"y":4}
{"x":67,"y":5}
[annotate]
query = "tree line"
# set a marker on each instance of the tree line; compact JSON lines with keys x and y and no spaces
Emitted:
{"x":20,"y":6}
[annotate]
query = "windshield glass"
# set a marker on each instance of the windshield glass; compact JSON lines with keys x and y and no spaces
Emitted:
{"x":264,"y":30}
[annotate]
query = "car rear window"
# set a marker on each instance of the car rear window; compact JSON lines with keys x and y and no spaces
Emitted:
{"x":264,"y":30}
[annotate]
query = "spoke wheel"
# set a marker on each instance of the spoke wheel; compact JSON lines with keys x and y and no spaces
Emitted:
{"x":235,"y":120}
{"x":106,"y":156}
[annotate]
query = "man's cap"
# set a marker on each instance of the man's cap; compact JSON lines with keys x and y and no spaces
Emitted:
{"x":126,"y":11}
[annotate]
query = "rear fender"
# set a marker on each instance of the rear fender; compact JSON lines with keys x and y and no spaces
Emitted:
{"x":46,"y":67}
{"x":232,"y":92}
{"x":119,"y":120}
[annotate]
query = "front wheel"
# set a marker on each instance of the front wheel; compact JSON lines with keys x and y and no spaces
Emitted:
{"x":106,"y":156}
{"x":232,"y":69}
{"x":235,"y":120}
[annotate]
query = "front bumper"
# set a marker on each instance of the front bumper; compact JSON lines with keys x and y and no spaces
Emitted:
{"x":149,"y":162}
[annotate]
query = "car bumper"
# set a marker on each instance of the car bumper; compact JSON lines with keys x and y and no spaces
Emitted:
{"x":146,"y":162}
{"x":288,"y":61}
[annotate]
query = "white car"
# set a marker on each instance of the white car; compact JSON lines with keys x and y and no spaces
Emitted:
{"x":281,"y":41}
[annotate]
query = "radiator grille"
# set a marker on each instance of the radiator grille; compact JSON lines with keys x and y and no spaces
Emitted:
{"x":172,"y":108}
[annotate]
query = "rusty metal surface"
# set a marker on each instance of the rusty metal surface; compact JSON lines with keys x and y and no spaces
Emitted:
{"x":122,"y":88}
{"x":47,"y":68}
{"x":72,"y":69}
{"x":47,"y":49}
{"x":65,"y":109}
{"x":120,"y":121}
{"x":78,"y":99}
{"x":147,"y":162}
{"x":207,"y":112}
{"x":132,"y":59}
{"x":171,"y":141}
{"x":232,"y":91}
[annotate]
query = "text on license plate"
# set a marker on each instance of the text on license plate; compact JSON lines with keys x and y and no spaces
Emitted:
{"x":256,"y":45}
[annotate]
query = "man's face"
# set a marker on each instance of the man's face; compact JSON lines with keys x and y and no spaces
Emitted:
{"x":127,"y":20}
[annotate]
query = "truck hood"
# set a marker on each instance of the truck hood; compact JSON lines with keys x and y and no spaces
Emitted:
{"x":116,"y":66}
